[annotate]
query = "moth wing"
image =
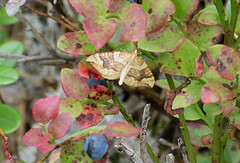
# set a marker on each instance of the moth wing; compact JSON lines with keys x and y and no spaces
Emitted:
{"x":139,"y":75}
{"x":109,"y":64}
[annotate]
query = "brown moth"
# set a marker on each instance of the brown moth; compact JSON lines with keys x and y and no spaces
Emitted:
{"x":127,"y":67}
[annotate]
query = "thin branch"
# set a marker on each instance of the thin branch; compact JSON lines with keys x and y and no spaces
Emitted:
{"x":183,"y":150}
{"x":126,"y":150}
{"x":170,"y":158}
{"x":20,"y":58}
{"x":145,"y":119}
{"x":165,"y":142}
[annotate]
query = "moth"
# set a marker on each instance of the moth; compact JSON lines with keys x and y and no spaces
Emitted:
{"x":127,"y":67}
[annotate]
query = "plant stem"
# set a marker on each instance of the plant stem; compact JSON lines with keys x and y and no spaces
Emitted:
{"x":183,"y":126}
{"x":198,"y":109}
{"x":233,"y":22}
{"x":224,"y":21}
{"x":148,"y":55}
{"x":216,"y":142}
{"x":129,"y":119}
{"x":236,"y":47}
{"x":224,"y":142}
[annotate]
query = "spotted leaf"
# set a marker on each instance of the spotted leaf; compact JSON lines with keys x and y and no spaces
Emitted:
{"x":99,"y":92}
{"x":134,"y":21}
{"x":55,"y":157}
{"x":163,"y":40}
{"x":70,"y":105}
{"x":225,"y":59}
{"x":76,"y":43}
{"x":227,"y":107}
{"x":158,"y":11}
{"x":183,"y":59}
{"x":209,"y":16}
{"x":199,"y":67}
{"x":35,"y":137}
{"x":184,"y":9}
{"x":215,"y":91}
{"x":120,"y":129}
{"x":206,"y":140}
{"x":117,"y":5}
{"x":45,"y":109}
{"x":86,"y":70}
{"x":235,"y":116}
{"x":73,"y":84}
{"x":99,"y":30}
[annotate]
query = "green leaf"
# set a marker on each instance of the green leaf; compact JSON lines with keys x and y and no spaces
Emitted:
{"x":73,"y":152}
{"x":76,"y":43}
{"x":231,"y":152}
{"x":5,"y":19}
{"x":162,"y":83}
{"x":10,"y":118}
{"x":209,"y":16}
{"x":3,"y":36}
{"x":203,"y":158}
{"x":163,"y":40}
{"x":189,"y":95}
{"x":70,"y":105}
{"x":11,"y":47}
{"x":184,"y":9}
{"x":212,"y":109}
{"x":183,"y":60}
{"x":8,"y":75}
{"x":191,"y":114}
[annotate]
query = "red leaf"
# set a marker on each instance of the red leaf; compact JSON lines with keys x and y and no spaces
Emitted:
{"x":134,"y":21}
{"x":45,"y":147}
{"x":99,"y":31}
{"x":99,"y":92}
{"x":86,"y":70}
{"x":73,"y":84}
{"x":118,"y":5}
{"x":60,"y":125}
{"x":120,"y":129}
{"x":199,"y":67}
{"x":227,"y":107}
{"x":76,"y":43}
{"x":35,"y":137}
{"x":90,"y":8}
{"x":90,"y":116}
{"x":158,"y":11}
{"x":45,"y":109}
{"x":206,"y":139}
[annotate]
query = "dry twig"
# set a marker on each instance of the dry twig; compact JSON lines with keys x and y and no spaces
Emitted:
{"x":165,"y":142}
{"x":183,"y":150}
{"x":170,"y":158}
{"x":126,"y":150}
{"x":145,"y":119}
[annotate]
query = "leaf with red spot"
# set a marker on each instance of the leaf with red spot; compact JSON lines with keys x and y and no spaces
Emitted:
{"x":199,"y":67}
{"x":120,"y":129}
{"x":185,"y":9}
{"x":55,"y":157}
{"x":99,"y":30}
{"x":76,"y":43}
{"x":215,"y":91}
{"x":117,"y":5}
{"x":74,"y":152}
{"x":183,"y":59}
{"x":206,"y":140}
{"x":45,"y":109}
{"x":203,"y":35}
{"x":35,"y":137}
{"x":60,"y":125}
{"x":91,"y":8}
{"x":225,"y":59}
{"x":86,"y":70}
{"x":227,"y":107}
{"x":73,"y":84}
{"x":158,"y":11}
{"x":196,"y":131}
{"x":209,"y":16}
{"x":93,"y":114}
{"x":45,"y":147}
{"x":235,"y":117}
{"x":134,"y":21}
{"x":189,"y":95}
{"x":70,"y":105}
{"x":99,"y":92}
{"x":163,"y":40}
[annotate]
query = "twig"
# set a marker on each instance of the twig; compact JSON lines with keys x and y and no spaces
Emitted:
{"x":145,"y":119}
{"x":126,"y":150}
{"x":183,"y":150}
{"x":170,"y":158}
{"x":5,"y":141}
{"x":52,"y":17}
{"x":165,"y":142}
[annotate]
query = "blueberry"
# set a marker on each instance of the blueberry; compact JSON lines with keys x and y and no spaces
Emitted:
{"x":92,"y":82}
{"x":96,"y":146}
